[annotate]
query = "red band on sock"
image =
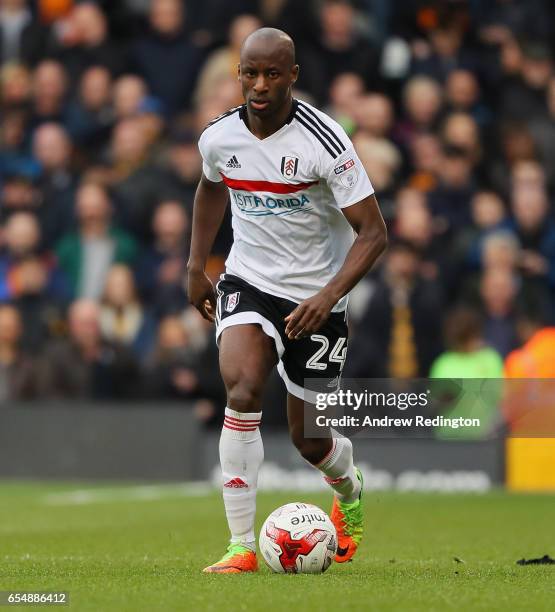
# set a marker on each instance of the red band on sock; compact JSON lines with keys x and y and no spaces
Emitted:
{"x":226,"y":426}
{"x":239,"y":421}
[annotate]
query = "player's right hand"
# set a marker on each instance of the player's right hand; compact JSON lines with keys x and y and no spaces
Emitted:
{"x":201,"y":294}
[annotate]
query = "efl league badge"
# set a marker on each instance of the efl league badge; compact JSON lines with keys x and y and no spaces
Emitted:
{"x":289,"y":166}
{"x":348,"y":174}
{"x":231,"y":301}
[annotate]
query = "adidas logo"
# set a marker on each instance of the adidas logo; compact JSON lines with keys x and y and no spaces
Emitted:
{"x":233,"y":162}
{"x":236,"y":483}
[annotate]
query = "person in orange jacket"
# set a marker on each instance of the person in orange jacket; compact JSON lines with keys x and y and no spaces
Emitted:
{"x":536,"y":357}
{"x":528,"y":407}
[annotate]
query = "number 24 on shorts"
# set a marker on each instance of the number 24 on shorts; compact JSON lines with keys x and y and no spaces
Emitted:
{"x":337,"y":354}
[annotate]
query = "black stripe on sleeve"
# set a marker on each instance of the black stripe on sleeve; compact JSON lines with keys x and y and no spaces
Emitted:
{"x":323,"y":134}
{"x":310,"y":128}
{"x":324,"y":126}
{"x":223,"y":116}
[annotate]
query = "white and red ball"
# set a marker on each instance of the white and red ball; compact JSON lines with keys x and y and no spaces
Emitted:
{"x":298,"y":538}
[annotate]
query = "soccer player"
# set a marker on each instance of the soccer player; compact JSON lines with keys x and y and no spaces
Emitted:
{"x":298,"y":190}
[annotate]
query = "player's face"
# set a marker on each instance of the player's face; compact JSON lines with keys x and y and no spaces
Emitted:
{"x":266,"y":81}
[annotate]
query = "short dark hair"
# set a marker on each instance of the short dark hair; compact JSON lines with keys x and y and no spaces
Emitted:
{"x":462,"y":324}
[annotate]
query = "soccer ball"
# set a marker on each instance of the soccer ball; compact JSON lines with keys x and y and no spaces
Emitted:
{"x":298,"y":539}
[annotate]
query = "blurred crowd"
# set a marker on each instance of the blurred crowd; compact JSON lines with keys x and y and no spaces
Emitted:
{"x":450,"y":104}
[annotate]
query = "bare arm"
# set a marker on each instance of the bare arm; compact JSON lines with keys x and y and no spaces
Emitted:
{"x":208,"y":213}
{"x":365,"y":218}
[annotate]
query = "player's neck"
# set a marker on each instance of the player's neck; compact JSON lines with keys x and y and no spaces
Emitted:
{"x":264,"y":127}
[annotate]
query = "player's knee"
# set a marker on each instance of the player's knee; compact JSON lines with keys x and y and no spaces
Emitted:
{"x":244,"y":395}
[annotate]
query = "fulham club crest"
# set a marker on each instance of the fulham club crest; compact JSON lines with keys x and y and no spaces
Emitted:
{"x":289,"y":166}
{"x":231,"y":301}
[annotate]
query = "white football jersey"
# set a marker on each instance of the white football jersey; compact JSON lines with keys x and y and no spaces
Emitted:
{"x":287,"y":191}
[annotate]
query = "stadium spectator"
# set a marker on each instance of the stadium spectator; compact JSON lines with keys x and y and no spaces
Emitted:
{"x":461,"y":131}
{"x":181,"y":370}
{"x":87,"y":254}
{"x":22,"y":37}
{"x":542,"y":130}
{"x":498,"y":293}
{"x":524,"y":96}
{"x":450,"y":200}
{"x":185,"y":168}
{"x":345,"y":92}
{"x":209,"y":20}
{"x":462,"y":94}
{"x":160,"y":271}
{"x":18,"y":190}
{"x":124,"y":320}
{"x":223,"y":62}
{"x":510,"y":58}
{"x":207,"y":112}
{"x":488,"y":215}
{"x":500,"y":250}
{"x":499,"y":21}
{"x":444,"y":52}
{"x":15,"y":87}
{"x":381,"y":159}
{"x":151,"y":122}
{"x":166,"y":58}
{"x":128,"y":93}
{"x":137,"y":183}
{"x":534,"y":358}
{"x":83,"y":365}
{"x":339,"y":48}
{"x":185,"y":164}
{"x":52,"y":149}
{"x":17,"y":368}
{"x":413,"y":223}
{"x":425,"y":155}
{"x":422,"y":102}
{"x":528,"y":174}
{"x":84,"y":42}
{"x":461,"y":90}
{"x":535,"y":230}
{"x":398,"y":335}
{"x":375,"y":115}
{"x":89,"y":115}
{"x":467,"y":355}
{"x":50,"y":88}
{"x":517,"y":145}
{"x":30,"y":279}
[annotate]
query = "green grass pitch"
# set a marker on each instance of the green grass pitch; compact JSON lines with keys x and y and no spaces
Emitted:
{"x":135,"y":548}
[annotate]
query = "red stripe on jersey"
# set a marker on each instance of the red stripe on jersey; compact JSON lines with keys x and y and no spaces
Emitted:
{"x":268,"y":186}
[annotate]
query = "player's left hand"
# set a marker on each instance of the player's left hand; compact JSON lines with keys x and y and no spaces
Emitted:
{"x":309,"y":315}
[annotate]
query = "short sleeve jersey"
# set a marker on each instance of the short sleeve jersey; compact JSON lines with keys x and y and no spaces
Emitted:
{"x":287,"y":191}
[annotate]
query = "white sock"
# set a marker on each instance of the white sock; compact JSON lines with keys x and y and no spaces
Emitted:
{"x":241,"y":455}
{"x":339,"y":472}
